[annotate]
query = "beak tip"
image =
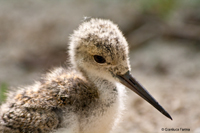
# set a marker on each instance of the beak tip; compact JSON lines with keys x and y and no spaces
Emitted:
{"x":131,"y":83}
{"x":166,"y":114}
{"x":169,"y":117}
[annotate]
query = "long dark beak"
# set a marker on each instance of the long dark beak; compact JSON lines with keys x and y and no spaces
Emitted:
{"x":132,"y":84}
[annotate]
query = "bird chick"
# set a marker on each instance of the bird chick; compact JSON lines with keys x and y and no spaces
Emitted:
{"x":84,"y":98}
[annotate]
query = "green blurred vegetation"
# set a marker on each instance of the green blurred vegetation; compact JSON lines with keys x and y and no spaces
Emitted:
{"x":164,"y":8}
{"x":3,"y":90}
{"x":161,"y":8}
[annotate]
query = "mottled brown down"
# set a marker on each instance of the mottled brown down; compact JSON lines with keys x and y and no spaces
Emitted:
{"x":39,"y":110}
{"x":83,"y":98}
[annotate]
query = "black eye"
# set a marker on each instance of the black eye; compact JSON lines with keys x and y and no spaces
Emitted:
{"x":99,"y":59}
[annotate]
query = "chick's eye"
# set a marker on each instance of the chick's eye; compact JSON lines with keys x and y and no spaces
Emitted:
{"x":99,"y":59}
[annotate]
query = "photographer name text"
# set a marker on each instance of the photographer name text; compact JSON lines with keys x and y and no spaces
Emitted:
{"x":175,"y":129}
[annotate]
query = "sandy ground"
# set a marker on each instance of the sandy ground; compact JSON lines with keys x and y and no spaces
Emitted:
{"x":34,"y":36}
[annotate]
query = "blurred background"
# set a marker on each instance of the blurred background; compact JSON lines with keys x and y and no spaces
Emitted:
{"x":164,"y":41}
